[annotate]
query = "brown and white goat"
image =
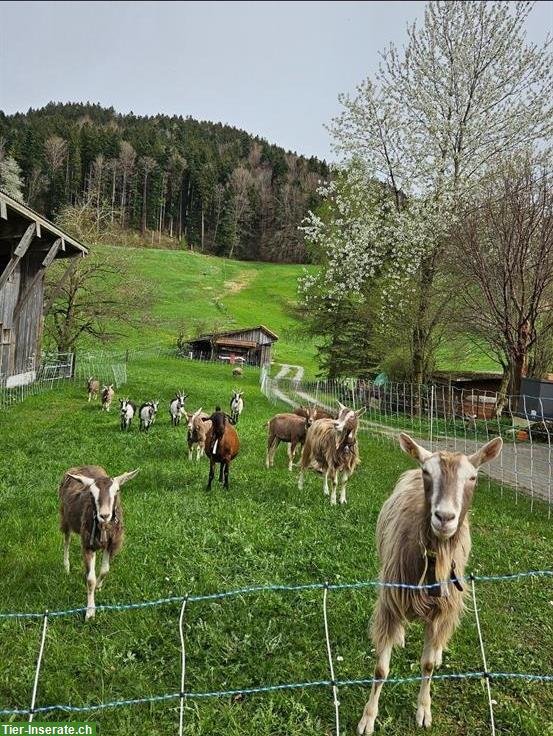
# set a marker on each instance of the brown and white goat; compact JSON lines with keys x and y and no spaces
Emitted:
{"x":107,"y":397}
{"x":423,"y":537}
{"x":331,"y":448}
{"x":197,"y":433}
{"x":91,"y":507}
{"x":289,"y":428}
{"x":92,"y":388}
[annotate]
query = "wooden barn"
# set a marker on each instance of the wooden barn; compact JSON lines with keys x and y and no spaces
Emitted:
{"x":251,"y":345}
{"x":29,"y":243}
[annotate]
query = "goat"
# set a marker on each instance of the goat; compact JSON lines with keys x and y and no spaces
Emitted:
{"x":127,"y":412}
{"x":331,"y":448}
{"x":236,"y":406}
{"x":147,"y":414}
{"x":222,"y":445}
{"x":91,"y":507}
{"x":107,"y":397}
{"x":423,"y":536}
{"x":176,"y":408}
{"x":303,"y":411}
{"x":237,"y":371}
{"x":287,"y":428}
{"x":197,"y":433}
{"x":92,"y":388}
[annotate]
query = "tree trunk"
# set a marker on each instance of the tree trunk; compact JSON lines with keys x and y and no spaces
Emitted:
{"x":144,"y":190}
{"x":502,"y":393}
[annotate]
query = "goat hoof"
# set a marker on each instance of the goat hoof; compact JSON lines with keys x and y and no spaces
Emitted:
{"x":365,"y":726}
{"x":333,"y":502}
{"x":424,"y":716}
{"x":90,"y":613}
{"x":343,"y":501}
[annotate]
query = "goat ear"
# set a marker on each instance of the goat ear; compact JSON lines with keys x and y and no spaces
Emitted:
{"x":84,"y":479}
{"x":121,"y":479}
{"x":416,"y":451}
{"x":487,"y":452}
{"x":361,"y":411}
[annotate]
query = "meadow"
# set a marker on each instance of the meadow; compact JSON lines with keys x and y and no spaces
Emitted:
{"x":192,"y":289}
{"x":181,"y":539}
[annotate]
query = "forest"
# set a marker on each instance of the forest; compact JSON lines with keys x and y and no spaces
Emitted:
{"x":207,"y":186}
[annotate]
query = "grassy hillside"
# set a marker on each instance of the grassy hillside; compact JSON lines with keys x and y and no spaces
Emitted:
{"x":192,"y":289}
{"x":181,"y":539}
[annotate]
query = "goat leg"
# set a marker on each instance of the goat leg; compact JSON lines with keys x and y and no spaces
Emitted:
{"x":430,"y":655}
{"x":345,"y":477}
{"x":291,"y":451}
{"x":370,"y":712}
{"x":104,"y":569}
{"x":90,"y":567}
{"x":66,"y":543}
{"x":211,"y":473}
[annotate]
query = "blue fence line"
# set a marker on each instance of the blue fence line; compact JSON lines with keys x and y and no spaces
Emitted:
{"x":275,"y":688}
{"x":277,"y":587}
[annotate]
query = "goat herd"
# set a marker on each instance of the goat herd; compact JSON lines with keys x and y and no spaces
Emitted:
{"x":422,"y":533}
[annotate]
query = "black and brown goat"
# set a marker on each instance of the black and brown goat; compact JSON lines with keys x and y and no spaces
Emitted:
{"x":91,"y":507}
{"x":221,"y":445}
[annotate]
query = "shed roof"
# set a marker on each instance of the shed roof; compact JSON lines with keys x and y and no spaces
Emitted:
{"x":238,"y":331}
{"x":11,"y":208}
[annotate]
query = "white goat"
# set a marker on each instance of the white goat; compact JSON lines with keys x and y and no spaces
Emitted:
{"x":236,"y":406}
{"x":176,"y":408}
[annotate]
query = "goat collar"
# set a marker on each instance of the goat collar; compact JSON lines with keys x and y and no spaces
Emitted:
{"x":428,"y":576}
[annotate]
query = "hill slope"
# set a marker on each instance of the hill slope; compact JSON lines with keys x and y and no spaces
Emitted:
{"x":198,"y":291}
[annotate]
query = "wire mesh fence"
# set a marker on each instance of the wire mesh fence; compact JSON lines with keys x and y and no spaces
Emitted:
{"x":333,"y":683}
{"x":445,"y":417}
{"x":58,"y":369}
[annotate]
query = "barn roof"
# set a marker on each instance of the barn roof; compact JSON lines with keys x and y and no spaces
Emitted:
{"x":13,"y":210}
{"x":238,"y":331}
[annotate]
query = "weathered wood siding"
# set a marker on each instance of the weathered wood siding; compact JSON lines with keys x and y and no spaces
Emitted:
{"x":28,"y":324}
{"x":257,"y":335}
{"x":19,"y":356}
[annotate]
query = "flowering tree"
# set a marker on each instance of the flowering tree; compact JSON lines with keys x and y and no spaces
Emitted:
{"x":465,"y":90}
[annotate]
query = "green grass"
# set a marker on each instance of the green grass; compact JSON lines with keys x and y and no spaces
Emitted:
{"x":181,"y":539}
{"x":193,"y":289}
{"x":190,"y":288}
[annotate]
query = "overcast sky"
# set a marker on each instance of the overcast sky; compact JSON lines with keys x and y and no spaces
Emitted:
{"x":272,"y":68}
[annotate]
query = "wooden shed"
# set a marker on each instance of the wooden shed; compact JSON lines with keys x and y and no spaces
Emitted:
{"x":29,"y":243}
{"x":251,"y":345}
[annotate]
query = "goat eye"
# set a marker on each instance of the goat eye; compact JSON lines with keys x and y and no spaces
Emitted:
{"x":472,"y":478}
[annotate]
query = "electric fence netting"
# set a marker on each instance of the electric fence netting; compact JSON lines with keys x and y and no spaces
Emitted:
{"x":443,"y":417}
{"x":332,"y":682}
